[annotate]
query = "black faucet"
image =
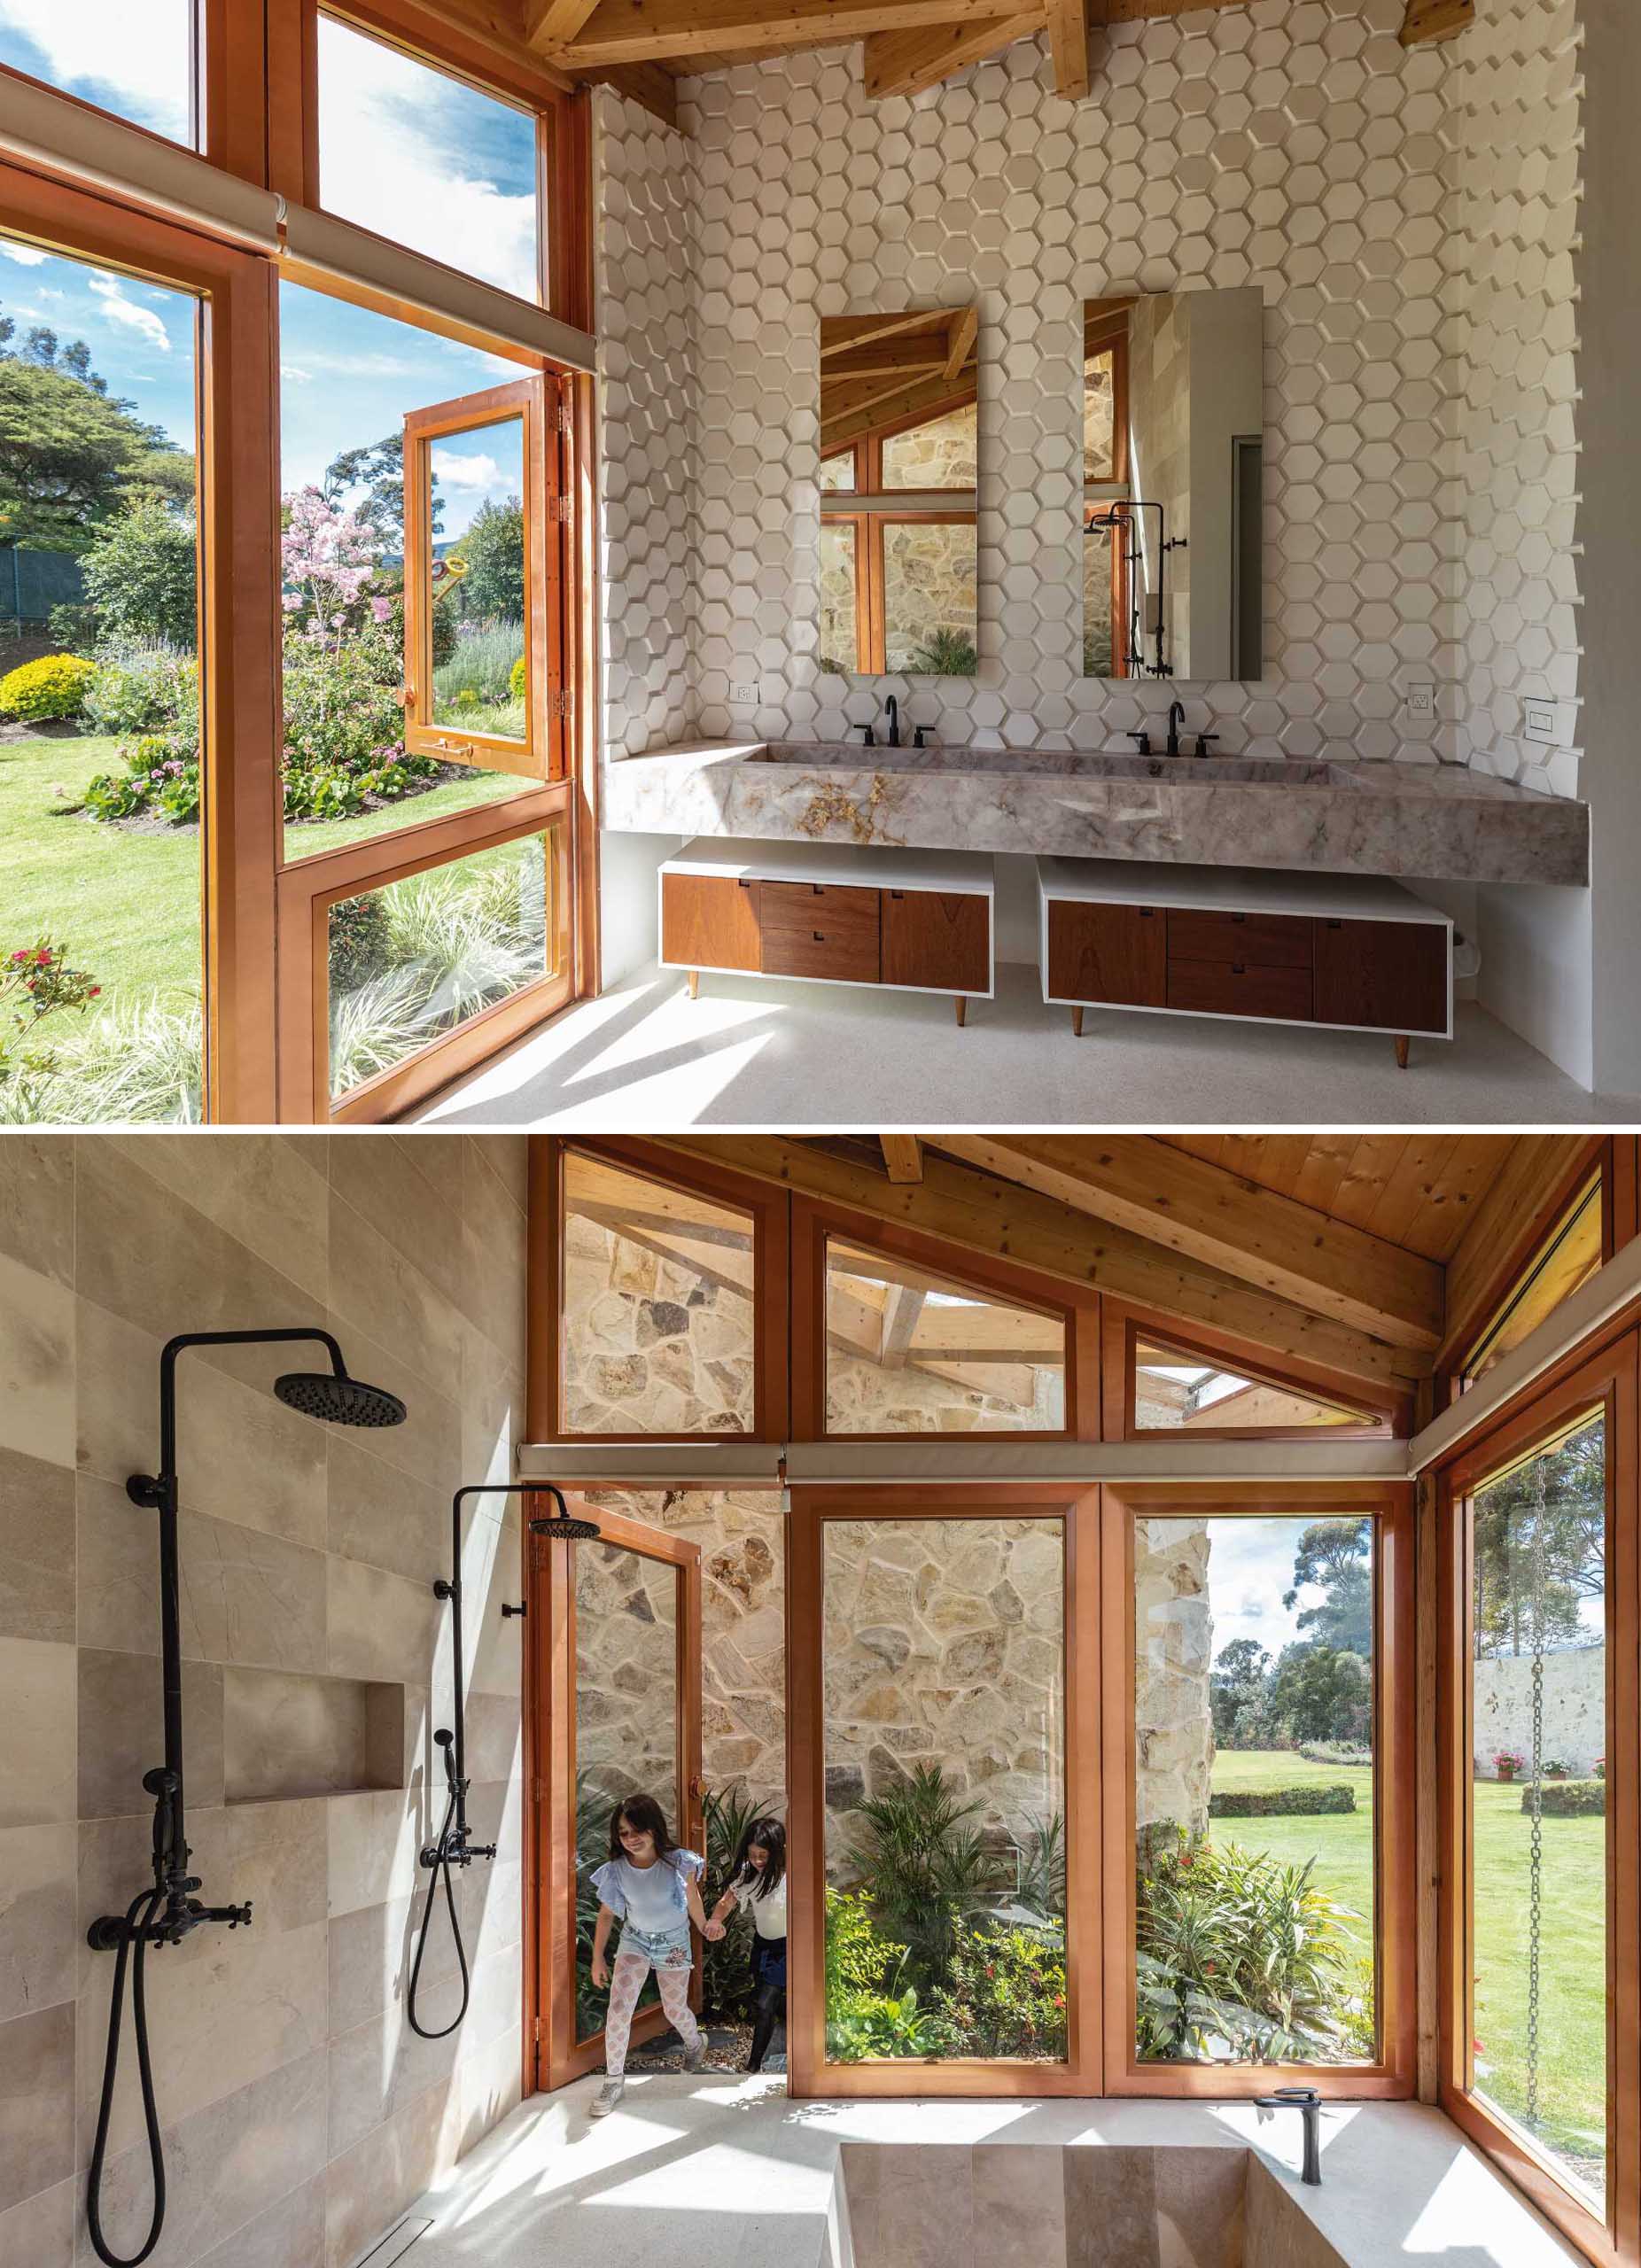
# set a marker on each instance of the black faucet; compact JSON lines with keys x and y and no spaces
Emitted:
{"x":1176,"y":718}
{"x":893,"y":707}
{"x":1308,"y":2103}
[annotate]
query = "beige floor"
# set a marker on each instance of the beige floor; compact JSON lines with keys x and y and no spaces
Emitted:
{"x":756,"y":1052}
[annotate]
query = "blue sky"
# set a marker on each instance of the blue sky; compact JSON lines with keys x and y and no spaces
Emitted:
{"x":131,"y":56}
{"x":141,"y":338}
{"x":1251,"y":1564}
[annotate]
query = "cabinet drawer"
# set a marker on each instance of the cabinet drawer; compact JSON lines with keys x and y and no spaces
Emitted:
{"x":709,"y":922}
{"x":1228,"y":988}
{"x":1107,"y":952}
{"x":804,"y":906}
{"x":937,"y":939}
{"x":1390,"y":975}
{"x":848,"y":953}
{"x":1274,"y":940}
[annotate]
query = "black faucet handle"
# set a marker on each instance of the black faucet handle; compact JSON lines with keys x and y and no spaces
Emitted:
{"x":920,"y":735}
{"x":1204,"y":741}
{"x":1141,"y":740}
{"x":869,"y":738}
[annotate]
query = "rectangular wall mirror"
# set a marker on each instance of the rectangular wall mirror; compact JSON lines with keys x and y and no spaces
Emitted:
{"x":1173,"y":466}
{"x":898,"y":460}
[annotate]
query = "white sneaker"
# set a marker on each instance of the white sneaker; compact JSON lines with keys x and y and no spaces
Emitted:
{"x":605,"y":2100}
{"x":695,"y":2054}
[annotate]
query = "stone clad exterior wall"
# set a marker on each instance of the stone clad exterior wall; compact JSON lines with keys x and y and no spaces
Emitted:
{"x":1574,"y":1709}
{"x":649,"y":1346}
{"x":1174,"y":1625}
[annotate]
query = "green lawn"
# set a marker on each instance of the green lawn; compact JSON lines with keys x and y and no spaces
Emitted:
{"x":1573,"y":1970}
{"x":125,"y":901}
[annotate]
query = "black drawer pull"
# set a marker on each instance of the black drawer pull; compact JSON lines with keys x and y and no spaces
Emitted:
{"x":817,"y":889}
{"x":1336,"y":925}
{"x":1239,"y":917}
{"x":896,"y":895}
{"x":1238,"y":968}
{"x":744,"y":885}
{"x":819,"y":939}
{"x":1147,"y":911}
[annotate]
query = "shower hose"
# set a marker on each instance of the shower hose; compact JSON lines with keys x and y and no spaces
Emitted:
{"x":139,"y":1916}
{"x":437,"y":1857}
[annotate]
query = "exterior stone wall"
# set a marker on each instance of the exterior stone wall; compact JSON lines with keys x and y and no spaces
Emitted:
{"x":649,"y":1346}
{"x":1174,"y":1642}
{"x":864,"y":1398}
{"x":942,"y":454}
{"x":626,"y":1676}
{"x":1574,"y":1709}
{"x":931,"y":590}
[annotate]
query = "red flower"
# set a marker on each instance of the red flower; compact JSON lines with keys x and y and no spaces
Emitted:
{"x":1060,"y":2000}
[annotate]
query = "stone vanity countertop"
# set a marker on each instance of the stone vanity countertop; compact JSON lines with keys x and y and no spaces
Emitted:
{"x":1430,"y":822}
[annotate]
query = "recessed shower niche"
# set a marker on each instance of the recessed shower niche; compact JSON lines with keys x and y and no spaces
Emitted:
{"x":287,"y":1735}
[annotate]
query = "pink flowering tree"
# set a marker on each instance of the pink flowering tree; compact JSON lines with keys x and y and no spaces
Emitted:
{"x":329,"y":556}
{"x":36,"y":981}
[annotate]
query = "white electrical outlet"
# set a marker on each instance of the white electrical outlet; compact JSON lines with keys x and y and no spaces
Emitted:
{"x":1421,"y":701}
{"x":1540,"y":721}
{"x":743,"y":696}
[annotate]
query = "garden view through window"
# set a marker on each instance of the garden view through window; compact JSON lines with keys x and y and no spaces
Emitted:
{"x":101,"y":953}
{"x":1253,"y":1790}
{"x":1174,"y":1390}
{"x":943,"y":1666}
{"x":1538,"y":1801}
{"x":656,"y":1304}
{"x":135,"y":62}
{"x":911,"y":1352}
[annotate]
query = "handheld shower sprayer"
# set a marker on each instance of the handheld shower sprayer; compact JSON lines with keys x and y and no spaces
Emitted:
{"x":169,"y":1909}
{"x":453,"y":1846}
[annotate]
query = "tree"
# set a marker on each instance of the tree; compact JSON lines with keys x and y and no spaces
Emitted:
{"x":378,"y":467}
{"x":139,"y":573}
{"x":1323,"y":1693}
{"x":1514,"y":1609}
{"x":328,"y":557}
{"x":1337,"y":1558}
{"x":72,"y":454}
{"x":1236,"y":1685}
{"x":494,"y":548}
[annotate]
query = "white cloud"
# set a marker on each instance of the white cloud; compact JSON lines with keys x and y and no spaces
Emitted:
{"x":25,"y":255}
{"x":141,"y":54}
{"x":117,"y":308}
{"x":289,"y":371}
{"x":480,"y":474}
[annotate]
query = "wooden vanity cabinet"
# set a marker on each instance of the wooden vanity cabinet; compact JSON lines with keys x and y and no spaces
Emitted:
{"x":914,"y":920}
{"x":1114,"y":953}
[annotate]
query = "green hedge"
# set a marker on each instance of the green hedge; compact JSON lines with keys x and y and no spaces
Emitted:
{"x":1568,"y":1798}
{"x":1267,"y":1803}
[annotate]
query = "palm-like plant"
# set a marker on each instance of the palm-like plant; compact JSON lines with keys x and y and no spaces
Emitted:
{"x":725,"y":1985}
{"x":1042,"y":1847}
{"x":925,"y":1870}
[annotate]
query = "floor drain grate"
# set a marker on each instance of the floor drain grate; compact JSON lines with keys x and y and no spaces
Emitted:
{"x":395,"y":2244}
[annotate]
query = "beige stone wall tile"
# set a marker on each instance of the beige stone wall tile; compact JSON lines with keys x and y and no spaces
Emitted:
{"x":493,"y":1295}
{"x":38,"y":1680}
{"x":41,"y":2230}
{"x":266,"y":1190}
{"x":370,"y":2183}
{"x":37,"y":1202}
{"x":121,"y":1731}
{"x":37,"y":2102}
{"x":381,"y":1626}
{"x":373,"y":1840}
{"x":382,"y":1517}
{"x":409,"y":1192}
{"x":37,"y":1364}
{"x":36,"y":1547}
{"x":290,"y":2234}
{"x":285,"y":1734}
{"x":373,"y":1284}
{"x":492,"y":1576}
{"x":38,"y":1954}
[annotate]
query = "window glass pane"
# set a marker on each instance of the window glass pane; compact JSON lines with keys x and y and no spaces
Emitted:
{"x":839,"y":644}
{"x":839,"y":471}
{"x":931,"y":598}
{"x":347,"y":378}
{"x":410,"y":961}
{"x":479,"y":580}
{"x":909,"y":1352}
{"x":1538,"y":1832}
{"x":1099,"y":416}
{"x":657,"y":1310}
{"x":1253,"y":1790}
{"x":136,"y":62}
{"x":626,"y":1726}
{"x":100,"y":716}
{"x":945,"y":1789}
{"x":419,"y":156}
{"x":1570,"y":1256}
{"x":940,"y":455}
{"x":1175,"y":1390}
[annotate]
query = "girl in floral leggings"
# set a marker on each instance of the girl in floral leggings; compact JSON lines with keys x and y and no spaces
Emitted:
{"x":655,"y":1889}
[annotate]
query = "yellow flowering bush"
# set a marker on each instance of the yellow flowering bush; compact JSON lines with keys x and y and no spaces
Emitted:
{"x":55,"y":686}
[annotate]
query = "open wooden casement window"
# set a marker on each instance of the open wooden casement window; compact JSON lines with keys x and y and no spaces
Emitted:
{"x":1166,"y":1377}
{"x":1538,"y":1703}
{"x":518,"y":723}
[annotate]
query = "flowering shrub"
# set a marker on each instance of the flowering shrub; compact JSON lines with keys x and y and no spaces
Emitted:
{"x":159,"y":776}
{"x":55,"y":686}
{"x":36,"y":981}
{"x":143,"y":685}
{"x":1004,"y":1994}
{"x":517,"y":685}
{"x":870,"y":2010}
{"x":328,"y":557}
{"x":344,"y":725}
{"x":1508,"y":1762}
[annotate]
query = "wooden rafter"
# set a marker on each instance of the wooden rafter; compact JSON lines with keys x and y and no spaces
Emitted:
{"x":1434,"y":19}
{"x":903,"y":1156}
{"x":880,"y":372}
{"x":906,"y":62}
{"x":634,"y":31}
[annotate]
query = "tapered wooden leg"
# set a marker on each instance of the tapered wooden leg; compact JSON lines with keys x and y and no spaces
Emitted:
{"x":1077,"y":1023}
{"x":695,"y":984}
{"x":1401,"y":1055}
{"x":961,"y":1006}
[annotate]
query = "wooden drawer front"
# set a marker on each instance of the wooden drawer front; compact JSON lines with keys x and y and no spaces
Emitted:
{"x":1231,"y":988}
{"x":709,"y":922}
{"x":1389,"y":975}
{"x":937,"y":940}
{"x":814,"y":929}
{"x":1274,"y":940}
{"x":1107,"y":952}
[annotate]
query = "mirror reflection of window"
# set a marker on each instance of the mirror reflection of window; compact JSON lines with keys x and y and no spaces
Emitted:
{"x":899,"y":441}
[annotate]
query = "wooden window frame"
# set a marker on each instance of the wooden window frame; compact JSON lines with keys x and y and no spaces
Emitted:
{"x":1617,"y":1224}
{"x":767,"y":1205}
{"x":816,"y":1221}
{"x":543,"y":753}
{"x":904,"y":506}
{"x":1126,"y":1327}
{"x":1606,"y":1373}
{"x":810,"y":2076}
{"x":1546,"y":1222}
{"x":553,"y":2055}
{"x":1390,"y":1505}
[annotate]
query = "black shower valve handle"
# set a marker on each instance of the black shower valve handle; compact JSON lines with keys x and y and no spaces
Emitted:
{"x":508,"y":1611}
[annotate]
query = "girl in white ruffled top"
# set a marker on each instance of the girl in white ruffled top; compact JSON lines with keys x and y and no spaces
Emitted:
{"x":757,"y":1880}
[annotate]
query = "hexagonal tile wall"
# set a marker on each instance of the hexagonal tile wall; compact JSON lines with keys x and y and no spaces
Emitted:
{"x":1418,"y":413}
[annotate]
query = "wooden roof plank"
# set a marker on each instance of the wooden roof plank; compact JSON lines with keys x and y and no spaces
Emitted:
{"x":906,"y":62}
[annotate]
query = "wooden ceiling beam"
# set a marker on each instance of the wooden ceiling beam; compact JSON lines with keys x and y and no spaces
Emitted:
{"x":632,"y":31}
{"x":840,"y":333}
{"x":1208,"y":1214}
{"x":548,"y":23}
{"x":892,"y":406}
{"x":965,"y":332}
{"x":903,"y":1156}
{"x":1540,"y":1172}
{"x":901,"y":1311}
{"x":906,"y":62}
{"x":650,"y":85}
{"x":978,"y":1213}
{"x":1435,"y":20}
{"x":1068,"y":43}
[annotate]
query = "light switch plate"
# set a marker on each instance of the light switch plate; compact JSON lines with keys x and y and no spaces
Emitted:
{"x":1541,"y":722}
{"x":1421,"y":701}
{"x":745,"y":696}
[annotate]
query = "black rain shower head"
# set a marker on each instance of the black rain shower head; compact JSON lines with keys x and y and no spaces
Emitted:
{"x":341,"y":1400}
{"x":562,"y":1526}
